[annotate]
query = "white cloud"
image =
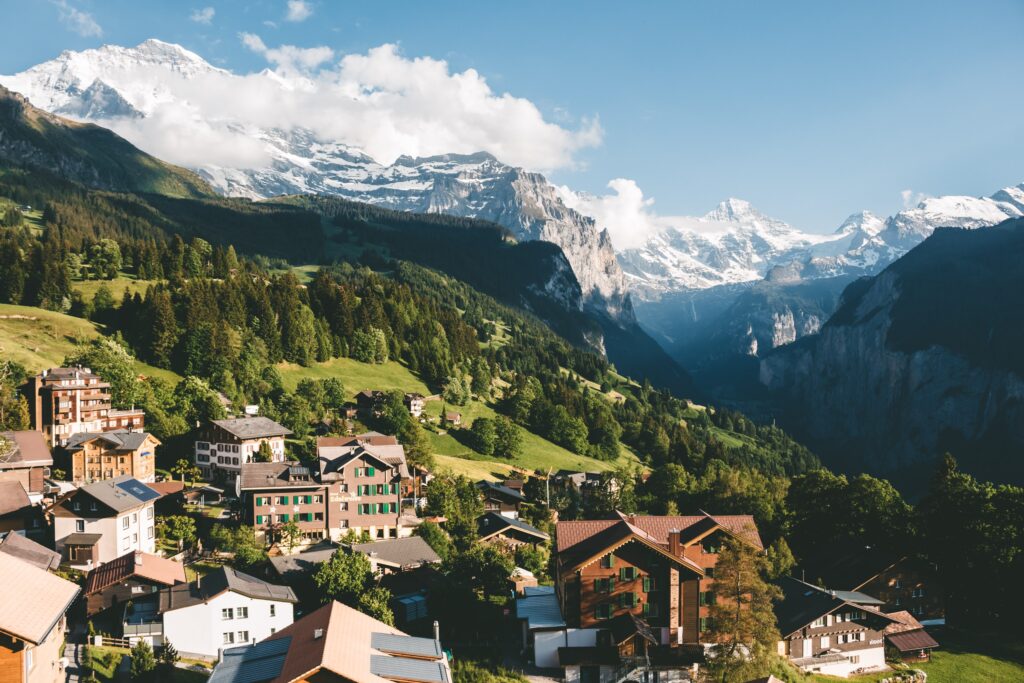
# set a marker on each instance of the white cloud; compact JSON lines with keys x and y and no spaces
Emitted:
{"x":288,"y":58}
{"x":381,"y":102}
{"x":78,"y":21}
{"x":298,"y":10}
{"x":203,"y":16}
{"x":626,"y":213}
{"x":911,"y":199}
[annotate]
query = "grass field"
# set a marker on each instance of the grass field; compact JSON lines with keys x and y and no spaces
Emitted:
{"x":538,"y":453}
{"x":963,"y":659}
{"x":39,"y":339}
{"x":88,"y":288}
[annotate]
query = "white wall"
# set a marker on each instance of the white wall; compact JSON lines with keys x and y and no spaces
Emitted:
{"x":546,"y":644}
{"x":116,"y":539}
{"x":869,"y":658}
{"x":199,"y":629}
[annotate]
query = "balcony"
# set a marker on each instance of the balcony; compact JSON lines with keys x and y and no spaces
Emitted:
{"x":142,"y":618}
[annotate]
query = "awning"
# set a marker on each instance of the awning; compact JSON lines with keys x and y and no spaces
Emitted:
{"x":83,"y":539}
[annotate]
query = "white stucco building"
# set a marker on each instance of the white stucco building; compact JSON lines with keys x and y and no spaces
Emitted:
{"x":223,"y":609}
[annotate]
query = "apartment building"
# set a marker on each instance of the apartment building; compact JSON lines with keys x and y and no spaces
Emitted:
{"x":66,"y":401}
{"x":223,"y":446}
{"x":104,"y":520}
{"x":279,"y":493}
{"x":94,"y":456}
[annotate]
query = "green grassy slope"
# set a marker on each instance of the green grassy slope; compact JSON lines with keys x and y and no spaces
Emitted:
{"x":538,"y":453}
{"x":39,"y":339}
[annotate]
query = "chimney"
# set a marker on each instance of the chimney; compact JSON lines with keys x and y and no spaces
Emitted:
{"x":138,"y":557}
{"x":437,"y":631}
{"x":674,"y":546}
{"x":318,"y":633}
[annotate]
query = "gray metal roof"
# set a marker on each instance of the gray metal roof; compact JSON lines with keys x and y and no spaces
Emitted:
{"x":405,"y":669}
{"x":399,"y":552}
{"x":79,"y":538}
{"x":220,"y":580}
{"x":532,"y":591}
{"x":252,"y":663}
{"x":540,"y":611}
{"x":253,"y":427}
{"x":491,"y":523}
{"x":405,"y":645}
{"x":291,"y":567}
{"x":264,"y":475}
{"x":120,"y":439}
{"x":122,"y":494}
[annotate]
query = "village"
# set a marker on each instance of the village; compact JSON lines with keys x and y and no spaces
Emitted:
{"x":241,"y":563}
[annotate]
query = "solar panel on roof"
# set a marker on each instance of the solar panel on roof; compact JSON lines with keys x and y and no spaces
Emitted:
{"x":405,"y":669}
{"x":138,"y":489}
{"x":406,"y":645}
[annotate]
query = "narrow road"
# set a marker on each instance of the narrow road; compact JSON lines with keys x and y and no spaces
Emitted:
{"x":74,"y":653}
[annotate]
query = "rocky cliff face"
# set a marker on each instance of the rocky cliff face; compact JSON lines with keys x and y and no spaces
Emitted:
{"x":886,"y":386}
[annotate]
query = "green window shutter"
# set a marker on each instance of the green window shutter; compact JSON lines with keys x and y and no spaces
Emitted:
{"x":622,"y":574}
{"x":309,"y":499}
{"x":259,"y":519}
{"x":647,"y":609}
{"x":394,"y":488}
{"x":611,"y":560}
{"x":370,"y":471}
{"x":647,"y":584}
{"x":284,"y":518}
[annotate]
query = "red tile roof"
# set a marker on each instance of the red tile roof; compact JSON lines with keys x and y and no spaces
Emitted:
{"x":657,"y":527}
{"x":150,"y":567}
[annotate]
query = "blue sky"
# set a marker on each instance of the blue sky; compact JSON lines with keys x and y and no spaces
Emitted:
{"x":810,"y":110}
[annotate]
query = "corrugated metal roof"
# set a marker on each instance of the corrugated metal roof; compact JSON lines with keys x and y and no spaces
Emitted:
{"x":540,"y":611}
{"x":252,"y":663}
{"x":404,"y":669}
{"x":405,"y":645}
{"x":908,"y":641}
{"x":531,"y":591}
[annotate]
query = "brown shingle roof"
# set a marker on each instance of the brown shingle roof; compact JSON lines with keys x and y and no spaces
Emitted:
{"x":29,"y":551}
{"x":12,"y":497}
{"x":32,"y":600}
{"x":150,"y":567}
{"x":25,"y":449}
{"x":908,"y":641}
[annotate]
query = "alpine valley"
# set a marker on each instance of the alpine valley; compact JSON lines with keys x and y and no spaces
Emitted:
{"x":734,"y":305}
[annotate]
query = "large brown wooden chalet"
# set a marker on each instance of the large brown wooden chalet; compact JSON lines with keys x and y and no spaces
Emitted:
{"x":655,"y":573}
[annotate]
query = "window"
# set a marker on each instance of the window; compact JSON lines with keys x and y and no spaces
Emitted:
{"x":918,"y":593}
{"x":259,"y":502}
{"x":259,"y":519}
{"x":242,"y":613}
{"x":282,"y":500}
{"x":229,"y":638}
{"x":627,"y":573}
{"x":705,"y":624}
{"x":709,"y":572}
{"x":125,"y":544}
{"x":897,"y":583}
{"x":855,"y":659}
{"x":273,"y":610}
{"x":604,"y":585}
{"x":135,"y":518}
{"x":273,"y":630}
{"x":381,"y":508}
{"x":359,"y":471}
{"x":627,"y":599}
{"x":651,"y":609}
{"x":650,"y":584}
{"x":149,"y":513}
{"x":135,"y":538}
{"x":79,"y":525}
{"x":76,"y":506}
{"x":370,"y":471}
{"x":124,"y":522}
{"x":227,"y":613}
{"x":707,"y":597}
{"x":243,"y":636}
{"x":309,"y":500}
{"x":394,"y":488}
{"x":284,"y":518}
{"x":603,"y":612}
{"x":608,"y":561}
{"x":826,"y":642}
{"x":318,"y":499}
{"x":818,"y":623}
{"x":149,"y":532}
{"x":380,"y":489}
{"x":92,"y":505}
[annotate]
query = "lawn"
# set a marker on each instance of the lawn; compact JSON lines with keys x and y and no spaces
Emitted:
{"x":104,"y":662}
{"x":963,"y":659}
{"x":355,"y":375}
{"x":88,"y":288}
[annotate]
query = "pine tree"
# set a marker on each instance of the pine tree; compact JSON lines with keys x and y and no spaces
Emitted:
{"x":743,"y":627}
